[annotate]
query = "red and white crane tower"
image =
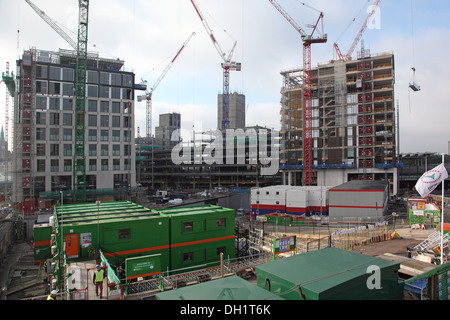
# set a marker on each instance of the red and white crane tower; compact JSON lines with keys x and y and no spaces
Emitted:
{"x":358,"y":36}
{"x":308,"y":40}
{"x":227,"y":66}
{"x":149,"y":93}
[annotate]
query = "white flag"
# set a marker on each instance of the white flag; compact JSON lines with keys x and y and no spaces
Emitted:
{"x":430,"y":180}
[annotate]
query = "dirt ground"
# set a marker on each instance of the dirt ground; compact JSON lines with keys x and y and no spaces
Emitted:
{"x":408,"y":238}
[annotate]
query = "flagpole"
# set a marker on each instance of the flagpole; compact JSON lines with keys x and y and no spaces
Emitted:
{"x":442,"y":217}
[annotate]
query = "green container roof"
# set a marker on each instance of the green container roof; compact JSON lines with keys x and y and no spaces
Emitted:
{"x":228,"y":288}
{"x":179,"y":211}
{"x":321,"y":270}
{"x":73,"y":214}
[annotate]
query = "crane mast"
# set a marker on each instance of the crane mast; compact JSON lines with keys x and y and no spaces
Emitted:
{"x":227,"y":66}
{"x":79,"y":160}
{"x":148,"y":93}
{"x":307,"y":39}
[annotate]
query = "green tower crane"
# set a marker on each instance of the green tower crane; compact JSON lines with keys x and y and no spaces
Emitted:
{"x":79,"y":160}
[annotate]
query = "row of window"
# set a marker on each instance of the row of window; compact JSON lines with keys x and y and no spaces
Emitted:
{"x":92,"y":150}
{"x":189,"y":226}
{"x":94,"y":77}
{"x":92,"y":165}
{"x":93,"y":135}
{"x":54,"y":118}
{"x":66,"y":104}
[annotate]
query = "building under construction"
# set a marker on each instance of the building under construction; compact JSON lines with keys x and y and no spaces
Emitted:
{"x":354,"y":125}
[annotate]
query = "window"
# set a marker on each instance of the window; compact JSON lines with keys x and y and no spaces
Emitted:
{"x":104,"y":121}
{"x":67,"y":165}
{"x":67,"y":134}
{"x":41,"y":118}
{"x":41,"y":103}
{"x":92,"y":135}
{"x":116,"y":79}
{"x":104,"y":150}
{"x":92,"y":105}
{"x":41,"y":72}
{"x":104,"y":78}
{"x":127,"y":136}
{"x":41,"y":87}
{"x":92,"y":91}
{"x":40,"y":165}
{"x":93,"y":164}
{"x":126,"y":164}
{"x":54,"y":149}
{"x":54,"y":165}
{"x":115,"y":121}
{"x":54,"y":88}
{"x":54,"y":103}
{"x":124,"y":234}
{"x":54,"y":134}
{"x":68,"y":89}
{"x":104,"y":106}
{"x":116,"y":135}
{"x":67,"y":150}
{"x":92,"y":77}
{"x":127,"y":122}
{"x":188,"y":226}
{"x":54,"y":118}
{"x":127,"y":150}
{"x":104,"y":135}
{"x":104,"y":164}
{"x":55,"y":73}
{"x":115,"y":93}
{"x":188,"y":256}
{"x":92,"y":120}
{"x":116,"y":164}
{"x":67,"y":119}
{"x":220,"y":222}
{"x":127,"y":80}
{"x":92,"y":150}
{"x":104,"y":92}
{"x":116,"y":150}
{"x":115,"y":107}
{"x":67,"y":104}
{"x":40,"y":149}
{"x":68,"y":74}
{"x":221,"y":250}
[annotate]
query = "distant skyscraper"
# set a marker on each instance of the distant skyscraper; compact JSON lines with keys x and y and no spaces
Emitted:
{"x":168,"y":123}
{"x":236,"y":113}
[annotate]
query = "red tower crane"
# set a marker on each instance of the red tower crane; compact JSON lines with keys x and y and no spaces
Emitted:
{"x":149,"y":93}
{"x":358,"y":36}
{"x":307,"y":39}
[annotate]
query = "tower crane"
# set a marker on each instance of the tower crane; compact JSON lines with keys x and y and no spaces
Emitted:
{"x":79,"y":159}
{"x":308,"y":40}
{"x":148,"y":93}
{"x":358,"y":36}
{"x":227,"y":66}
{"x":53,"y":24}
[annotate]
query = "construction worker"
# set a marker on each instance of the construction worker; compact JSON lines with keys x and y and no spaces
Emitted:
{"x":99,"y":275}
{"x":52,"y":295}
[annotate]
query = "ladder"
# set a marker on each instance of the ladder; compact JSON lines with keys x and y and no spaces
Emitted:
{"x":433,"y":240}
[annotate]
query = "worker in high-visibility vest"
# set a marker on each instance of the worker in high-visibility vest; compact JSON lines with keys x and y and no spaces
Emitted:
{"x":52,"y":295}
{"x":99,"y":275}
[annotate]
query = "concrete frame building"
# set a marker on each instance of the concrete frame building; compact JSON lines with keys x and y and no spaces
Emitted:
{"x":236,"y":112}
{"x":168,"y":123}
{"x":354,"y":125}
{"x":44,"y":124}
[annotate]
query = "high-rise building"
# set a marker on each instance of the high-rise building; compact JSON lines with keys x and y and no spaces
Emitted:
{"x":44,"y":124}
{"x":236,"y":111}
{"x":168,"y":123}
{"x":354,"y":127}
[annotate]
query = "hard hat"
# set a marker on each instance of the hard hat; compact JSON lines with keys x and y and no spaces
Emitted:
{"x":54,"y":292}
{"x":98,"y":266}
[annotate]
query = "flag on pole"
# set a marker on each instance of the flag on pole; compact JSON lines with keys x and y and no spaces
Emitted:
{"x":431,"y":179}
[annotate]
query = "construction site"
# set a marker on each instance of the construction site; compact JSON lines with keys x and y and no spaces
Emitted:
{"x":238,"y":209}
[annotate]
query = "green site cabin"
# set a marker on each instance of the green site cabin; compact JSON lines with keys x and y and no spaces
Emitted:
{"x":198,"y":234}
{"x":331,"y":274}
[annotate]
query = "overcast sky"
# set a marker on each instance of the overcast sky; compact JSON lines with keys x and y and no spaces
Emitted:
{"x":147,"y":34}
